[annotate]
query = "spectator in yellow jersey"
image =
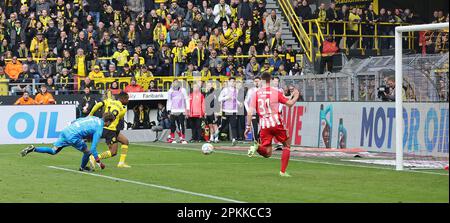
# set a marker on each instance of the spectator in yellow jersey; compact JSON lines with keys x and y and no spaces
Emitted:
{"x":39,"y":46}
{"x":136,"y":61}
{"x":352,"y":27}
{"x":179,"y":54}
{"x":120,"y":57}
{"x":80,"y":65}
{"x":96,"y":73}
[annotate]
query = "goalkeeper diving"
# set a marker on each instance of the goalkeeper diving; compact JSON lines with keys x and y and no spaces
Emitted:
{"x":74,"y":135}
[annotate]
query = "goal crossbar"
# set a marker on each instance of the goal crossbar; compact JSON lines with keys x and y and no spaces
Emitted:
{"x":399,"y":83}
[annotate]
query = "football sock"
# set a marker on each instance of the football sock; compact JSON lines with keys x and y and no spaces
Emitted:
{"x":85,"y":159}
{"x":105,"y":155}
{"x":123,"y":154}
{"x":45,"y":150}
{"x":172,"y":135}
{"x":285,"y":159}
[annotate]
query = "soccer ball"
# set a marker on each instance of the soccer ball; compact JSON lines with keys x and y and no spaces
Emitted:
{"x":207,"y":148}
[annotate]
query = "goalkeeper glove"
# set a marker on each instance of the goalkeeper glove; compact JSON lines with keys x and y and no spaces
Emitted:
{"x":100,"y":164}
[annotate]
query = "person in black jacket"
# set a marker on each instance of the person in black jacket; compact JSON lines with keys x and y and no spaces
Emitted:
{"x":331,"y":17}
{"x":199,"y":56}
{"x":86,"y":104}
{"x":305,"y":13}
{"x":63,"y":43}
{"x":52,"y":34}
{"x":383,"y":29}
{"x":152,"y":60}
{"x":245,"y":11}
{"x":95,"y":7}
{"x":146,"y":34}
{"x":163,"y":117}
{"x":141,"y":117}
{"x":369,"y":28}
{"x":107,"y":45}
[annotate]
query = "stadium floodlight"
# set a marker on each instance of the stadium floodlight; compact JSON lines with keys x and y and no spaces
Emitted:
{"x":399,"y":82}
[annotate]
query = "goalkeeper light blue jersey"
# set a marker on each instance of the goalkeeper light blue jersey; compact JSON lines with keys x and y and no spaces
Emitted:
{"x":83,"y":128}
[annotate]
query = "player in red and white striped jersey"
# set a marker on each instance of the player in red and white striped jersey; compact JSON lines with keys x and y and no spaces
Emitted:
{"x":266,"y":102}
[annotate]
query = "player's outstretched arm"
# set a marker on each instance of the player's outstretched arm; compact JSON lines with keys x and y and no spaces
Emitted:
{"x":95,"y":140}
{"x":96,"y":108}
{"x":294,"y":99}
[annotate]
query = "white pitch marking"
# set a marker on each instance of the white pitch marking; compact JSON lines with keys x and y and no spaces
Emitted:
{"x":299,"y":160}
{"x":150,"y":185}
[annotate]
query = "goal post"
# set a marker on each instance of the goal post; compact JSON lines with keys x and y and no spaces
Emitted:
{"x":399,"y":83}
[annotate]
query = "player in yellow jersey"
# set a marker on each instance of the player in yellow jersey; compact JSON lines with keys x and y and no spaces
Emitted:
{"x":112,"y":133}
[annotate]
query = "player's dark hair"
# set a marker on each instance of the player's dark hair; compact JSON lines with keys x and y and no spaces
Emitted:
{"x":108,"y":117}
{"x":259,"y":78}
{"x":232,"y":78}
{"x":266,"y":76}
{"x":122,"y":95}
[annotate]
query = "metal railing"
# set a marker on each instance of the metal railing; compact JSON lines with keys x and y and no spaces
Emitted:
{"x":322,"y":28}
{"x":296,"y":25}
{"x":324,"y":87}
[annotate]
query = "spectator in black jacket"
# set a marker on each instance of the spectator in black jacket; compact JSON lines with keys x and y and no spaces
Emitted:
{"x":63,"y":43}
{"x":95,"y":7}
{"x":163,"y":116}
{"x":199,"y":24}
{"x":107,"y":45}
{"x":87,"y":83}
{"x":82,"y":42}
{"x":17,"y":35}
{"x":147,"y":34}
{"x":87,"y":103}
{"x":332,"y":16}
{"x":51,"y":34}
{"x":199,"y":56}
{"x":383,"y":29}
{"x":112,"y":72}
{"x":305,"y":11}
{"x":152,"y":60}
{"x":141,"y":117}
{"x":369,"y":29}
{"x":244,"y":10}
{"x":342,"y":16}
{"x":22,"y":51}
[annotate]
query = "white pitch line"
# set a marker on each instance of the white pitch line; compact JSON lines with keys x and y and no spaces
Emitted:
{"x":299,"y":160}
{"x":151,"y":185}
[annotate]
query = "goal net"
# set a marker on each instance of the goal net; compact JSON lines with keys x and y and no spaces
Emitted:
{"x":421,"y":97}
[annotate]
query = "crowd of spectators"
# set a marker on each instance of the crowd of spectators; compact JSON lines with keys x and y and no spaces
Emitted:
{"x":386,"y":20}
{"x":62,"y":39}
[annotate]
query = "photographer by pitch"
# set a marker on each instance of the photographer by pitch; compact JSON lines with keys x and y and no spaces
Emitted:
{"x":387,"y":92}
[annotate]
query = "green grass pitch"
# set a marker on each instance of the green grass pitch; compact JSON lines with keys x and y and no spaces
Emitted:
{"x":180,"y":173}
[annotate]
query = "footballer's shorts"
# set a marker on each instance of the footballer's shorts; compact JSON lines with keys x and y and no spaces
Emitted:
{"x":110,"y":136}
{"x":267,"y":134}
{"x":65,"y":140}
{"x":211,"y":119}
